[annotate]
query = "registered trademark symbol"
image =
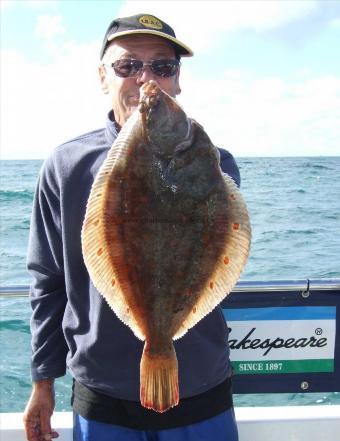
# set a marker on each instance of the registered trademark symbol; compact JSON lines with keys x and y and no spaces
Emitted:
{"x":318,"y":331}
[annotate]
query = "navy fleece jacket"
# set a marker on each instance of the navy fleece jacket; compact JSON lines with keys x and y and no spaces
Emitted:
{"x":72,"y":325}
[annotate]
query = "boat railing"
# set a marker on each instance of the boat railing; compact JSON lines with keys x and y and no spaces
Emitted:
{"x":302,"y":285}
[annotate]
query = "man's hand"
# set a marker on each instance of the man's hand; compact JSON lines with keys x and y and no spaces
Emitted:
{"x":38,"y":412}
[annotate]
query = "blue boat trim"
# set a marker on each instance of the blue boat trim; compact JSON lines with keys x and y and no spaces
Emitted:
{"x":281,"y":313}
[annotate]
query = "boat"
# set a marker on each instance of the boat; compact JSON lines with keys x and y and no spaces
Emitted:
{"x":284,"y":338}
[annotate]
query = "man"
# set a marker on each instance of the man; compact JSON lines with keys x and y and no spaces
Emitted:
{"x":71,"y":323}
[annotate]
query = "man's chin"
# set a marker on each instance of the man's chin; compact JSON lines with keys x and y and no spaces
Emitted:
{"x":134,"y":103}
{"x":128,"y":113}
{"x":133,"y":106}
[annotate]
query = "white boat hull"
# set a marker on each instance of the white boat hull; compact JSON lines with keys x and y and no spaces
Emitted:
{"x":293,"y":423}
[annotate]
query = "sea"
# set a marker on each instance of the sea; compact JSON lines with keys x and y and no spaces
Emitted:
{"x":294,"y":205}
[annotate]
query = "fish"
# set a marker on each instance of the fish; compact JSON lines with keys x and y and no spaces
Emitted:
{"x":165,"y":236}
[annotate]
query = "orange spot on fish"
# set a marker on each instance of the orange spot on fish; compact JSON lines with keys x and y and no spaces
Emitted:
{"x":113,"y":282}
{"x":233,"y":197}
{"x":194,"y":310}
{"x":127,"y":310}
{"x":236,"y":226}
{"x":100,"y":252}
{"x":226,"y":260}
{"x":211,"y":284}
{"x":96,"y":222}
{"x":98,"y":195}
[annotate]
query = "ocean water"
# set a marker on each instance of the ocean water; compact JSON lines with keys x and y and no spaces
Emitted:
{"x":294,"y":206}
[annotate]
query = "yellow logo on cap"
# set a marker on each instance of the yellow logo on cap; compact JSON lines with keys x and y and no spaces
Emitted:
{"x":150,"y":21}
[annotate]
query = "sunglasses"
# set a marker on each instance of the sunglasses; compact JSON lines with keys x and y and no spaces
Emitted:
{"x":129,"y":68}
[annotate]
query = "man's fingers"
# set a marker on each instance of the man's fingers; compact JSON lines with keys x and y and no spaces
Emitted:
{"x":32,"y":428}
{"x":51,"y":435}
{"x":47,"y":432}
{"x":45,"y":424}
{"x":38,"y":429}
{"x":38,"y":412}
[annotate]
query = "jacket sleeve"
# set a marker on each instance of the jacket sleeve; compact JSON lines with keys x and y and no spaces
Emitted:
{"x":47,"y":291}
{"x":229,"y":166}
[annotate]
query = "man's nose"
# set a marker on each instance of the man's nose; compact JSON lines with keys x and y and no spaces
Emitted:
{"x":146,"y":75}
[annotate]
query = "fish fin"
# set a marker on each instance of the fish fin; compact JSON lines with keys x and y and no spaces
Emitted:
{"x":98,"y":254}
{"x":231,"y":263}
{"x":159,"y":380}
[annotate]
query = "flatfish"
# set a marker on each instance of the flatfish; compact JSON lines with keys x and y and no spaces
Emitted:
{"x":165,"y":236}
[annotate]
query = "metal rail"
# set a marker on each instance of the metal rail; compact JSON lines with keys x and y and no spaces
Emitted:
{"x":242,"y":286}
{"x":288,"y":285}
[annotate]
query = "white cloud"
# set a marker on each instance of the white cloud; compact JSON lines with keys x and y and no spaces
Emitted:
{"x":202,"y":24}
{"x":335,"y":23}
{"x":5,"y":4}
{"x":43,"y":105}
{"x":268,"y":116}
{"x":48,"y":26}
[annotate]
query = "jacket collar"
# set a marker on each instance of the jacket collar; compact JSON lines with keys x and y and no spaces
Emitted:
{"x":112,"y":128}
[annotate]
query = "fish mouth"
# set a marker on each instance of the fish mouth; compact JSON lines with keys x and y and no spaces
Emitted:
{"x":149,"y":96}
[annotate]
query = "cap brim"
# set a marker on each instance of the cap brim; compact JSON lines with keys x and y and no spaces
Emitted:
{"x":183,"y":49}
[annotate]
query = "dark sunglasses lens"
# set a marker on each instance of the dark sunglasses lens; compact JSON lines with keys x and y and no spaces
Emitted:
{"x":165,"y":68}
{"x":127,"y":68}
{"x":131,"y":68}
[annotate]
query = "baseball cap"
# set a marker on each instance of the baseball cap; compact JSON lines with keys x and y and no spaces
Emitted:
{"x":143,"y":24}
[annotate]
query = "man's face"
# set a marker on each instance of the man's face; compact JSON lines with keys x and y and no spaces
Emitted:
{"x":125,"y":91}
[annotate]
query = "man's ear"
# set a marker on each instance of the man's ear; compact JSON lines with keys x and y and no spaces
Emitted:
{"x":103,"y":79}
{"x":178,"y":89}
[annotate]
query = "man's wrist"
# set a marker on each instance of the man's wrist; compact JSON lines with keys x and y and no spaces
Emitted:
{"x":47,"y":383}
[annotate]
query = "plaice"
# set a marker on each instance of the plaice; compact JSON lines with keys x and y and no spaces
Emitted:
{"x":165,"y":236}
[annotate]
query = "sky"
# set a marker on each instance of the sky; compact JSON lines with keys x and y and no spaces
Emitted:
{"x":264,"y":80}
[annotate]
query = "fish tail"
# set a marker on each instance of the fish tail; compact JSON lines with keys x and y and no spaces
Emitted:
{"x":159,"y":379}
